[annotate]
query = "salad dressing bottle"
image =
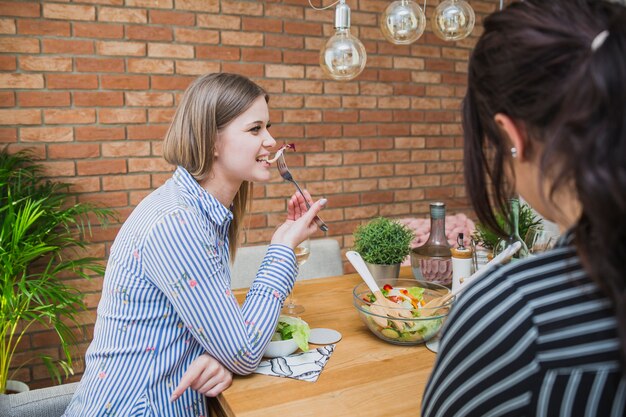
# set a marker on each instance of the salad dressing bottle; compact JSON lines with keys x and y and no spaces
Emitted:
{"x":432,"y":261}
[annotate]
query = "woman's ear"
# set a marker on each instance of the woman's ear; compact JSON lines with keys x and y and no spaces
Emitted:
{"x":516,"y":137}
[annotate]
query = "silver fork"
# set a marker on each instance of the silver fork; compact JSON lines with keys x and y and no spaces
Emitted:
{"x":284,"y":172}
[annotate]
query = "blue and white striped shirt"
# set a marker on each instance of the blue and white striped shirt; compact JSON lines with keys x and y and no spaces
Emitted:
{"x":166,"y":300}
{"x":534,"y":338}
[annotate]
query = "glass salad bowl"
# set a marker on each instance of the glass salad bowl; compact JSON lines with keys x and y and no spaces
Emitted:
{"x":409,"y":295}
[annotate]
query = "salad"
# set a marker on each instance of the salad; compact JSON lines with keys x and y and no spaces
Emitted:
{"x":292,"y":328}
{"x":411,"y":298}
{"x":279,"y":152}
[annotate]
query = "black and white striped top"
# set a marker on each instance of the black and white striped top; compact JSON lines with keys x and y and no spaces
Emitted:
{"x":533,"y":338}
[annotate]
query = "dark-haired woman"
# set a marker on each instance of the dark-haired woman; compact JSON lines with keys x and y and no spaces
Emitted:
{"x":545,"y":117}
{"x":167,"y":318}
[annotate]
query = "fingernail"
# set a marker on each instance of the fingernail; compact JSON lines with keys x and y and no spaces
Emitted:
{"x":323,"y":201}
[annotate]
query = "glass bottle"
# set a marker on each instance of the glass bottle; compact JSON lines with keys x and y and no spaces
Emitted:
{"x":432,"y":261}
{"x":513,"y":234}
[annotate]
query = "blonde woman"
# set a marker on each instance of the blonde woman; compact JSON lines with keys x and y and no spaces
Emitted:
{"x":167,"y":309}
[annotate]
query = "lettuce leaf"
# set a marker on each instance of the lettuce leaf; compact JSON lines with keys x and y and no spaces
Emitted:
{"x":296,"y":329}
{"x":416,"y":292}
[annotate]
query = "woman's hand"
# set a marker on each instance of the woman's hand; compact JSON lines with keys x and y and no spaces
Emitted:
{"x":299,"y":225}
{"x":206,"y":376}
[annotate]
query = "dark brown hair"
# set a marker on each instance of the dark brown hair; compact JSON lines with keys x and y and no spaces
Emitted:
{"x":534,"y":63}
{"x":209,"y":104}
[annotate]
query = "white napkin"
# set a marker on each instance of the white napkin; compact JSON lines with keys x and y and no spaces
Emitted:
{"x":305,"y":366}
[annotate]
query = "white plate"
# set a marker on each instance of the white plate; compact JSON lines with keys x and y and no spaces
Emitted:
{"x":321,"y":336}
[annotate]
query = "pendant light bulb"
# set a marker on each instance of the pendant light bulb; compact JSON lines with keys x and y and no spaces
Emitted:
{"x":403,"y":22}
{"x":343,"y":57}
{"x":453,"y":20}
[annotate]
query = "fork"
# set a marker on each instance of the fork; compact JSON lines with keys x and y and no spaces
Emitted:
{"x":284,"y":172}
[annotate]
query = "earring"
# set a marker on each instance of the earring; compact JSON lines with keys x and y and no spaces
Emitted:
{"x":514,"y":152}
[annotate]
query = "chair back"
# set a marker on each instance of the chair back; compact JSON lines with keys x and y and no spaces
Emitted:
{"x":42,"y":402}
{"x":324,"y":261}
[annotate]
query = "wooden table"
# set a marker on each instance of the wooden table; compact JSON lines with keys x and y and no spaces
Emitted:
{"x":365,"y":376}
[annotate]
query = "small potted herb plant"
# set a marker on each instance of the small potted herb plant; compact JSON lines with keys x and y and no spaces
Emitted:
{"x":383,"y":244}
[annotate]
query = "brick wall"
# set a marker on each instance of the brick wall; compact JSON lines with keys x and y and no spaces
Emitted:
{"x":91,"y":85}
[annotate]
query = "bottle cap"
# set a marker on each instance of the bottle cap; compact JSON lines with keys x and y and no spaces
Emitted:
{"x":438,"y":210}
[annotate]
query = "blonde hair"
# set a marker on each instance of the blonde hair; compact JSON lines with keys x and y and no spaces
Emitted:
{"x":209,"y":104}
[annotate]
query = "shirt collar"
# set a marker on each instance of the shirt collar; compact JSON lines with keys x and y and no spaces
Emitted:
{"x":201,"y":197}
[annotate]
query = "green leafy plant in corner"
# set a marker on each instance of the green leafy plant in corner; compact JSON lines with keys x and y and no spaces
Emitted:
{"x":41,"y":233}
{"x":383,"y":241}
{"x":488,"y":239}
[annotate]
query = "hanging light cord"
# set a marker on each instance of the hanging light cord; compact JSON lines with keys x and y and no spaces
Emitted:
{"x":323,"y":8}
{"x":501,"y":3}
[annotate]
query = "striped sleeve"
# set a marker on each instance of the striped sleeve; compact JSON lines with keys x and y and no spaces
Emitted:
{"x":181,"y":259}
{"x":486,"y":358}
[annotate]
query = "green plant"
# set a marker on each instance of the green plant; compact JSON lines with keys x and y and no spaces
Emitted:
{"x":488,"y":239}
{"x":383,"y":241}
{"x":41,"y":232}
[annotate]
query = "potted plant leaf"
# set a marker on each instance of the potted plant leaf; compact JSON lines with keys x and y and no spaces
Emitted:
{"x":488,"y":239}
{"x":383,"y":244}
{"x":41,"y":232}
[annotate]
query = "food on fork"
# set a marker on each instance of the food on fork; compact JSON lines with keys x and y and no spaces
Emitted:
{"x":278,"y":153}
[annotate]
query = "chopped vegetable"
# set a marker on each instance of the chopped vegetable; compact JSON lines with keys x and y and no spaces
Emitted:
{"x":293,"y":328}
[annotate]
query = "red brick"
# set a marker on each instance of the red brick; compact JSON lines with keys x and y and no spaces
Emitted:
{"x":26,"y":9}
{"x":45,"y":63}
{"x":100,"y":167}
{"x":98,"y":99}
{"x":160,"y":115}
{"x":123,"y":15}
{"x":99,"y":64}
{"x":46,"y":134}
{"x":147,"y":132}
{"x":72,"y":116}
{"x":98,"y":30}
{"x":199,"y":5}
{"x":303,"y":28}
{"x":7,"y":99}
{"x":8,"y":63}
{"x":219,"y":21}
{"x":149,"y":33}
{"x":241,"y":38}
{"x":74,"y":151}
{"x":151,"y":66}
{"x":261,"y":55}
{"x":301,"y":57}
{"x":19,"y":45}
{"x":61,"y":46}
{"x":255,"y":24}
{"x":196,"y":67}
{"x":162,"y":17}
{"x":341,"y":116}
{"x":121,"y":48}
{"x":71,"y":81}
{"x":43,"y":98}
{"x":186,"y":35}
{"x":168,"y":50}
{"x":125,"y":149}
{"x":21,"y":81}
{"x":119,"y":116}
{"x":147,"y":165}
{"x":171,"y":83}
{"x":8,"y":135}
{"x":7,"y":26}
{"x":45,"y":28}
{"x":125,"y":182}
{"x":149,"y":99}
{"x":124,"y":82}
{"x":284,"y":41}
{"x":69,"y":12}
{"x":222,"y":53}
{"x":20,"y":117}
{"x":91,"y":133}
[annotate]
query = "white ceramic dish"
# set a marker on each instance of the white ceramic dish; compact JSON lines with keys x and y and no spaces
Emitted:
{"x":280,"y":348}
